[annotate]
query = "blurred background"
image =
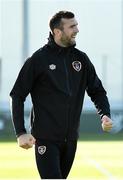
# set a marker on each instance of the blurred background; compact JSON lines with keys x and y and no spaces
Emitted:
{"x":24,"y":28}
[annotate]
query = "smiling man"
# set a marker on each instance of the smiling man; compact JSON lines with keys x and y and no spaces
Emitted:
{"x":57,"y":76}
{"x":66,"y":34}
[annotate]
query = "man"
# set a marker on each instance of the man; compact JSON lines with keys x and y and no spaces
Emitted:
{"x":57,"y":76}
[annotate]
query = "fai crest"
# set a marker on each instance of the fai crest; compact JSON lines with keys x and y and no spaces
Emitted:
{"x":77,"y":65}
{"x":41,"y":149}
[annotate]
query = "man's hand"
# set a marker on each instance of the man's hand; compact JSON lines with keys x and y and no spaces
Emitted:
{"x":107,"y":123}
{"x":26,"y":141}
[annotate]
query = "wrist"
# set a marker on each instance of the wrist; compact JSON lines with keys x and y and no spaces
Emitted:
{"x":18,"y":135}
{"x":108,"y":115}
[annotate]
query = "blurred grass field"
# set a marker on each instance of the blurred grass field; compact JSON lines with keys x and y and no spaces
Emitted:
{"x":95,"y":160}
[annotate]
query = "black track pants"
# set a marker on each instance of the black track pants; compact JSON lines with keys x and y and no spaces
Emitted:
{"x":54,"y":159}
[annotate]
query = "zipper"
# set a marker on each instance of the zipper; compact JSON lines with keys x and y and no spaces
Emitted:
{"x":67,"y":79}
{"x":67,"y":124}
{"x":69,"y":92}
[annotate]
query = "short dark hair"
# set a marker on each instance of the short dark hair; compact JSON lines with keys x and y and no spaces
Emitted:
{"x":55,"y":21}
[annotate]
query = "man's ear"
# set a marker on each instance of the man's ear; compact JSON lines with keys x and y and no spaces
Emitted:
{"x":57,"y":32}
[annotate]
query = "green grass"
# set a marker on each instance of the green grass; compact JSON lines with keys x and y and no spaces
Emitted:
{"x":95,"y":160}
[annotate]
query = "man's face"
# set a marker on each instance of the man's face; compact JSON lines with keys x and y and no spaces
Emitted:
{"x":68,"y":32}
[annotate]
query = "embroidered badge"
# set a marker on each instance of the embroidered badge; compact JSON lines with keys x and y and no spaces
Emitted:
{"x":77,"y":65}
{"x":41,"y":149}
{"x":52,"y":66}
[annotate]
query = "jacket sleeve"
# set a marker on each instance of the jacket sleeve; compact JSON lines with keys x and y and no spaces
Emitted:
{"x":96,"y":91}
{"x":21,"y":89}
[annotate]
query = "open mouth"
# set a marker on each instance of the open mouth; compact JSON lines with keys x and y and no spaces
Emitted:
{"x":74,"y":36}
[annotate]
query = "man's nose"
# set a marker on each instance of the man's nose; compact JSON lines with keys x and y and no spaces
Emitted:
{"x":76,"y":30}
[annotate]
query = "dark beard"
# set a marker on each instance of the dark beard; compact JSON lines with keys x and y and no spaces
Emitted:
{"x":67,"y":42}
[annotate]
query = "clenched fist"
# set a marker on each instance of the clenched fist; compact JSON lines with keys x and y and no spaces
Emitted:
{"x":107,"y":123}
{"x":26,"y":141}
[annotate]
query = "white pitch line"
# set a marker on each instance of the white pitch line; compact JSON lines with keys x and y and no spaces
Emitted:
{"x":101,"y":168}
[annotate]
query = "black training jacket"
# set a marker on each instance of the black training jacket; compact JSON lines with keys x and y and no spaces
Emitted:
{"x":57,"y":78}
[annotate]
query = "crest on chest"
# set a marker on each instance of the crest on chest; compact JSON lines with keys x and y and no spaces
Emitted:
{"x":77,"y":65}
